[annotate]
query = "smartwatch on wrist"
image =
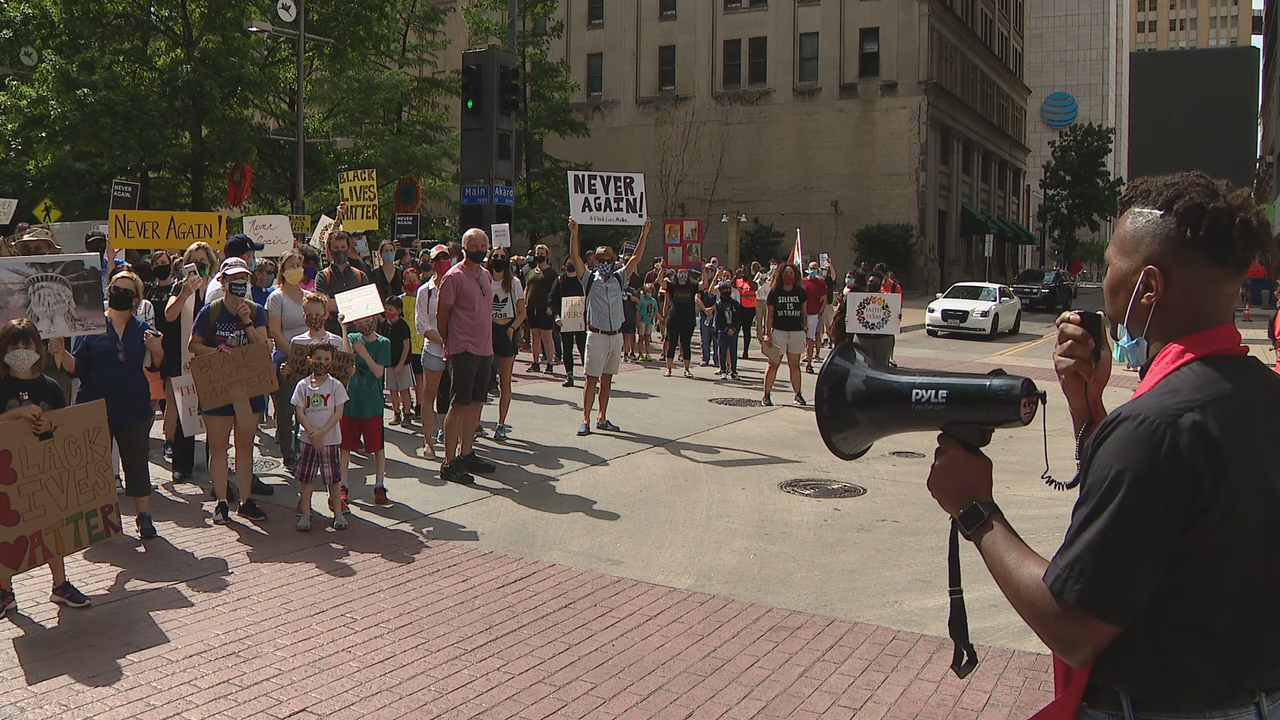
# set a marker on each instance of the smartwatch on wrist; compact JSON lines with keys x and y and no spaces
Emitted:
{"x":971,"y":519}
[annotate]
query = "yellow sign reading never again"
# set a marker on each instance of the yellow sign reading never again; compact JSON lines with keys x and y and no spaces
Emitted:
{"x":166,"y":229}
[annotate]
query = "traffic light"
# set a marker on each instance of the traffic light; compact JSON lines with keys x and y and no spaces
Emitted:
{"x":472,"y":89}
{"x":510,"y":93}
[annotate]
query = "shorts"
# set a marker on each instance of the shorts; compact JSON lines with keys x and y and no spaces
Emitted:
{"x":402,"y":380}
{"x":431,"y":363}
{"x":318,"y":464}
{"x":604,"y":354}
{"x":790,"y":342}
{"x":133,"y":438}
{"x":815,"y":327}
{"x":415,"y":363}
{"x":643,"y":329}
{"x":502,"y":346}
{"x":257,"y":404}
{"x":355,"y":429}
{"x":470,"y":378}
{"x":540,"y":320}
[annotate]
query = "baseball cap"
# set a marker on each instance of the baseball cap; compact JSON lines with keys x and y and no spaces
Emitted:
{"x":234,"y":266}
{"x":241,"y":244}
{"x":724,"y":285}
{"x":437,"y":250}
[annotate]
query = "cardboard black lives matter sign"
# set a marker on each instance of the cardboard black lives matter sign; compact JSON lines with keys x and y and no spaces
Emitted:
{"x":125,"y":195}
{"x":407,"y":225}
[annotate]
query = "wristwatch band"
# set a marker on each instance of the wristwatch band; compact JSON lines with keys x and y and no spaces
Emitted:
{"x":972,"y":518}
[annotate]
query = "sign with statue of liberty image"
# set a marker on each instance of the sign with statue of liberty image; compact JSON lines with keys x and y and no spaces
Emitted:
{"x":61,"y":294}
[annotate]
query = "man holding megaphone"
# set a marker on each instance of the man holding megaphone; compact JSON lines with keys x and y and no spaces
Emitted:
{"x":1165,"y":586}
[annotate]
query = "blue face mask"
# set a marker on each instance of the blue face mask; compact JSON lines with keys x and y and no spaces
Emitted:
{"x":1132,"y":350}
{"x":604,"y":267}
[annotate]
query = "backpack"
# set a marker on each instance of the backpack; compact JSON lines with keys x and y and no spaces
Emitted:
{"x":215,"y":309}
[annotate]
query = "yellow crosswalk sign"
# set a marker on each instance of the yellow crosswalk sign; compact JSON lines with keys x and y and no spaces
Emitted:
{"x":46,"y":212}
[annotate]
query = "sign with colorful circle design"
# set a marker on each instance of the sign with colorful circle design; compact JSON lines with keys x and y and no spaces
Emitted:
{"x":873,"y":313}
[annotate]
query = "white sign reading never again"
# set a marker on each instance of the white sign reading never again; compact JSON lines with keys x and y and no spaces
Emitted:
{"x":600,"y":198}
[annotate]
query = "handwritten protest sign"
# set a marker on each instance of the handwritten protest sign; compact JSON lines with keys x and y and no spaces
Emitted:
{"x":598,"y":198}
{"x":184,"y":392}
{"x":165,"y":229}
{"x":410,"y":313}
{"x":501,"y":235}
{"x":573,"y":314}
{"x":322,"y":227}
{"x":273,"y":231}
{"x":359,"y":190}
{"x":300,"y":224}
{"x":873,"y":313}
{"x":233,"y":377}
{"x":359,"y":303}
{"x":342,"y":368}
{"x":57,"y":495}
{"x":7,"y":207}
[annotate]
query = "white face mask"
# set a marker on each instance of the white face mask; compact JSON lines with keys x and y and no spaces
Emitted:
{"x":21,"y":359}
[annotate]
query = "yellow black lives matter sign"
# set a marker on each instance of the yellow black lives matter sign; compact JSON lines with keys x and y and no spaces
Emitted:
{"x":359,"y":191}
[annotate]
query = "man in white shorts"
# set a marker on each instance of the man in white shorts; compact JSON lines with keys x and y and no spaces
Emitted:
{"x":604,"y":289}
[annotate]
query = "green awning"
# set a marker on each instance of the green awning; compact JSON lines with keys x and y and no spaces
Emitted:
{"x":971,"y":221}
{"x":1026,"y":236}
{"x":999,"y":227}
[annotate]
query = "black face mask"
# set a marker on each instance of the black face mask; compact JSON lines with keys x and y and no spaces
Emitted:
{"x":162,"y":271}
{"x":540,"y":258}
{"x":340,"y":257}
{"x":119,"y":298}
{"x":239,"y":288}
{"x":499,"y":264}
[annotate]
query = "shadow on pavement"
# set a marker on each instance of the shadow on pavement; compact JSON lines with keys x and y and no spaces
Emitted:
{"x":159,"y":561}
{"x":276,"y":540}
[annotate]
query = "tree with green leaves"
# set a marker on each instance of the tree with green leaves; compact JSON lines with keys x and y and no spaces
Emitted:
{"x":759,"y":243}
{"x":546,"y":109}
{"x":889,"y":243}
{"x":172,"y":92}
{"x":1079,"y":191}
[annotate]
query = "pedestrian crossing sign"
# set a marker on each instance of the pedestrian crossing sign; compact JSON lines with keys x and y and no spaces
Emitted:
{"x":46,"y":212}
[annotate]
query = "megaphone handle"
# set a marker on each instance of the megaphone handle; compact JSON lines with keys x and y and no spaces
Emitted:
{"x":973,"y":437}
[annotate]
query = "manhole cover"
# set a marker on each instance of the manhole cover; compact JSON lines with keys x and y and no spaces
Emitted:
{"x":908,"y":454}
{"x":735,"y":402}
{"x":820,"y":488}
{"x":264,"y":465}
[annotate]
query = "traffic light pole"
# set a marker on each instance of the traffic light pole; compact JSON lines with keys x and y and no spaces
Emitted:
{"x":512,"y":11}
{"x":487,"y":149}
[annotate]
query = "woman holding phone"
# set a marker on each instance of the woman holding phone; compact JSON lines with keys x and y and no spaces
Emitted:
{"x":185,"y":301}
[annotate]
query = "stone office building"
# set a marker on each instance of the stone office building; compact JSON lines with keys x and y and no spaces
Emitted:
{"x":821,"y":114}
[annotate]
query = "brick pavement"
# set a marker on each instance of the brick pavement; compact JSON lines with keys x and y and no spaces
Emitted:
{"x":262,"y":621}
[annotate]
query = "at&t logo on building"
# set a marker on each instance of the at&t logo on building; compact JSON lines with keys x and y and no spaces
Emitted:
{"x":1060,"y":110}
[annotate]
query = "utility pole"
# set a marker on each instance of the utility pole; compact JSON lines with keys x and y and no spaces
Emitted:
{"x":299,"y":203}
{"x":512,"y":11}
{"x":735,"y":239}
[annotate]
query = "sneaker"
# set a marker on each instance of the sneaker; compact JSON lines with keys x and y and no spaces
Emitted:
{"x":535,"y":367}
{"x":250,"y":510}
{"x":395,"y":420}
{"x":808,"y":369}
{"x":550,"y":369}
{"x":8,"y":601}
{"x":456,"y":472}
{"x":260,"y":488}
{"x":440,"y":436}
{"x":67,"y":594}
{"x":500,"y":433}
{"x":146,"y":528}
{"x":705,"y":363}
{"x":734,"y":376}
{"x":766,"y":402}
{"x":380,"y":496}
{"x":568,"y":382}
{"x":475,"y":463}
{"x":346,"y":506}
{"x":800,"y":400}
{"x":584,"y":429}
{"x":233,"y":493}
{"x":221,"y":515}
{"x":479,"y":431}
{"x":168,"y":451}
{"x":648,"y":357}
{"x":341,"y":523}
{"x":606,"y":425}
{"x":304,"y":524}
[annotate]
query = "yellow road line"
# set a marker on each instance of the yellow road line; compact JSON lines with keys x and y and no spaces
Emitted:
{"x":1026,"y":345}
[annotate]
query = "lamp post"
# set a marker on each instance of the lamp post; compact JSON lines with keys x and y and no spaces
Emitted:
{"x":300,"y":36}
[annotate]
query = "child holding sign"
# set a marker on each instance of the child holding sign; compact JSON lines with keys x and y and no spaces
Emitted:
{"x":25,"y":394}
{"x":362,"y":417}
{"x":318,"y":400}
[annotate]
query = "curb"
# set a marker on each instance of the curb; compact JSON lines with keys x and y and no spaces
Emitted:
{"x":910,"y":328}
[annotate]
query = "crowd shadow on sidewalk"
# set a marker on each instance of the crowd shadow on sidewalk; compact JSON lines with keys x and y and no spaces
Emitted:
{"x":88,"y":645}
{"x":159,"y":561}
{"x":687,"y":450}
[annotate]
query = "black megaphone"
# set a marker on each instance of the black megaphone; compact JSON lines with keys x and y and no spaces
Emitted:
{"x":857,"y":404}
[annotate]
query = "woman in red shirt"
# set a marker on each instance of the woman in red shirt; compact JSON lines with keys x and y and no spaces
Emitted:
{"x":746,"y":288}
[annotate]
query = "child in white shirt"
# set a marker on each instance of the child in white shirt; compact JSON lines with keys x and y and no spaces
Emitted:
{"x":318,"y":399}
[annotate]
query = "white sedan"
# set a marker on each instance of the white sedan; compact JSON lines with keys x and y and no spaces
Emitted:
{"x":975,"y":307}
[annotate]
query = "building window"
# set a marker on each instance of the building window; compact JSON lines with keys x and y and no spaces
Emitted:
{"x":758,"y":61}
{"x":986,"y":29}
{"x":1004,"y":8}
{"x":667,"y":8}
{"x":966,"y":158}
{"x":732,"y":63}
{"x":738,"y":4}
{"x":809,"y":57}
{"x":1002,"y":176}
{"x":869,"y":52}
{"x":1017,"y":63}
{"x":595,"y":74}
{"x":1193,"y":25}
{"x":595,"y":12}
{"x":944,"y":148}
{"x":1213,"y":22}
{"x":667,"y":68}
{"x":986,"y":168}
{"x":1002,"y":49}
{"x":1142,"y":5}
{"x":966,"y":12}
{"x":1173,"y":24}
{"x":1017,"y":17}
{"x":1182,"y":24}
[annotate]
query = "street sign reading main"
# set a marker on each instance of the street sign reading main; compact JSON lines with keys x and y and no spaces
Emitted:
{"x":475,"y":194}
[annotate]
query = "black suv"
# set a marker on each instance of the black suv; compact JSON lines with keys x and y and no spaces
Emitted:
{"x":1050,"y":288}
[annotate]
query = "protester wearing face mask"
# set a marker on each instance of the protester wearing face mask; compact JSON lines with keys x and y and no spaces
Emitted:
{"x":340,"y":276}
{"x":238,"y":246}
{"x":231,"y":322}
{"x":264,"y":281}
{"x":1164,"y":582}
{"x":815,"y":291}
{"x":310,"y":267}
{"x":388,"y":276}
{"x":110,"y":368}
{"x":682,"y":311}
{"x":431,"y":393}
{"x":285,"y":321}
{"x":179,"y":313}
{"x":568,"y":285}
{"x":541,"y":321}
{"x":508,"y":315}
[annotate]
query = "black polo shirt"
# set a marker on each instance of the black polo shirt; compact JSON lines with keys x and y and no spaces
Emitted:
{"x":1176,"y":536}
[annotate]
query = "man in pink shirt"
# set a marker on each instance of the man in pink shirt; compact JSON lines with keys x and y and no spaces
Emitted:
{"x":464,"y":320}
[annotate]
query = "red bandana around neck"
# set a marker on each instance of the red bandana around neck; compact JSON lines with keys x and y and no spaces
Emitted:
{"x":1069,"y":683}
